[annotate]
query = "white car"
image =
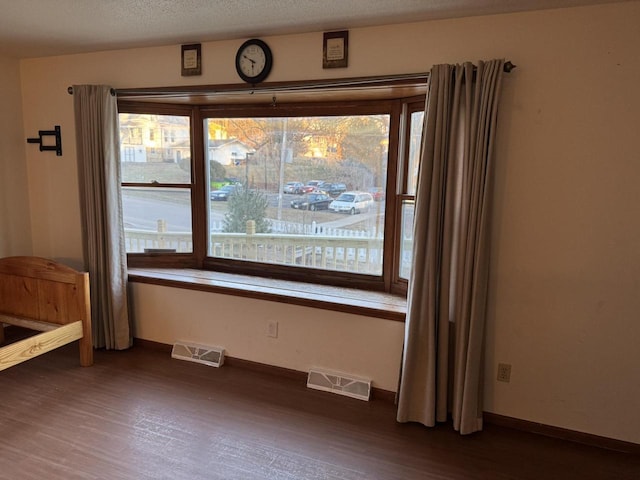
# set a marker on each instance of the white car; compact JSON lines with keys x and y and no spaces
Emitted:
{"x":352,"y":202}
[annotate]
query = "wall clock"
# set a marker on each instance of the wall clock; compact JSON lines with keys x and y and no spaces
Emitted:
{"x":254,"y":61}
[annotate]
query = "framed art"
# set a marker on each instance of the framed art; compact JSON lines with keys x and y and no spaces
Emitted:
{"x":335,"y":49}
{"x":191,"y":60}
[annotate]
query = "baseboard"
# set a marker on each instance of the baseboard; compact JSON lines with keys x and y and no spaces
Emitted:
{"x":376,"y":393}
{"x":388,"y":396}
{"x":151,"y":345}
{"x":561,"y":433}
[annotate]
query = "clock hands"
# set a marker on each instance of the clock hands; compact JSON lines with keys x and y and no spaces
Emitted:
{"x":253,"y":62}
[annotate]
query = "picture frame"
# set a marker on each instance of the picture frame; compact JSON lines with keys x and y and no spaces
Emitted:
{"x":335,"y":49}
{"x":191,"y":60}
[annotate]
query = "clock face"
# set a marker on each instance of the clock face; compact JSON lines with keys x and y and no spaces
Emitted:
{"x":253,"y":61}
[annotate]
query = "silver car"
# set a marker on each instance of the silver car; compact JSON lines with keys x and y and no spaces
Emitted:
{"x":352,"y":202}
{"x":293,"y":187}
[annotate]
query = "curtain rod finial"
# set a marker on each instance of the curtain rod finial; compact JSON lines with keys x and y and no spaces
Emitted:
{"x":70,"y":90}
{"x":508,"y":66}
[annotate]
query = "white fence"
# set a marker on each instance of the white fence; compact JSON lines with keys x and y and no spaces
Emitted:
{"x":353,"y":254}
{"x":311,"y":245}
{"x":281,"y":226}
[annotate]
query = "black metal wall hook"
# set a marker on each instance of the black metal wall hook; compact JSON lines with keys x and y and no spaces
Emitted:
{"x":49,"y":133}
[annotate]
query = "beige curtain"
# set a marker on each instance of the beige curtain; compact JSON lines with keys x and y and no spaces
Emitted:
{"x":442,"y":362}
{"x":97,"y":137}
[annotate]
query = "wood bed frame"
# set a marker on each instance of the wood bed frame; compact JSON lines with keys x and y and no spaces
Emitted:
{"x":46,"y":296}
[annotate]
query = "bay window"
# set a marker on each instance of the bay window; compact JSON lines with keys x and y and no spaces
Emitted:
{"x":317,"y":192}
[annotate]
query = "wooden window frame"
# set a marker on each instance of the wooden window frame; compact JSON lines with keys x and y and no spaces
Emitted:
{"x":409,"y":106}
{"x":397,"y":166}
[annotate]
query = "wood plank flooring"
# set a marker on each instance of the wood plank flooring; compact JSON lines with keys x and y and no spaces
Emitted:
{"x":141,"y":415}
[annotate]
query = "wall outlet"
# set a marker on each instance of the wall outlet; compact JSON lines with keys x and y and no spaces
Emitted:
{"x":504,"y":372}
{"x":272,"y":329}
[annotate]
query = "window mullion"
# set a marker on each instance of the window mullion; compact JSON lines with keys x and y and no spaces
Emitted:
{"x":199,"y":203}
{"x":389,"y":261}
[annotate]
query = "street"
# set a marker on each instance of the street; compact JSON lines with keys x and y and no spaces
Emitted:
{"x":142,"y":210}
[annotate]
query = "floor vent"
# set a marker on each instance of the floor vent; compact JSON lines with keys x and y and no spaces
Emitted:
{"x":212,"y":356}
{"x":339,"y":383}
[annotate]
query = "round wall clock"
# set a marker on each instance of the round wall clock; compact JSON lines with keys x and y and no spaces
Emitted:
{"x":254,"y":61}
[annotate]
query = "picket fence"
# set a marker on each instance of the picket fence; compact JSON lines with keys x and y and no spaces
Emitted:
{"x":309,"y":245}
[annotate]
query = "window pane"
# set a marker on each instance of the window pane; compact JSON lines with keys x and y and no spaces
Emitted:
{"x":155,"y":148}
{"x":157,"y":219}
{"x":415,"y":137}
{"x":313,"y":187}
{"x":406,"y":239}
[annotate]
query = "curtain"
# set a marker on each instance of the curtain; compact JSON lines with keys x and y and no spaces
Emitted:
{"x":97,"y":137}
{"x":442,"y":360}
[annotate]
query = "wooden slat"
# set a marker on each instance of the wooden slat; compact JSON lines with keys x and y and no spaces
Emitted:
{"x":37,"y":345}
{"x":27,"y":323}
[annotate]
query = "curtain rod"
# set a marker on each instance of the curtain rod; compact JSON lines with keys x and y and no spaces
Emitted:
{"x":301,"y":86}
{"x":70,"y":91}
{"x":352,"y":82}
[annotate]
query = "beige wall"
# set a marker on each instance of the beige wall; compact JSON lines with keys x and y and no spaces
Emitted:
{"x":307,"y":337}
{"x":565,"y":275}
{"x":15,"y":233}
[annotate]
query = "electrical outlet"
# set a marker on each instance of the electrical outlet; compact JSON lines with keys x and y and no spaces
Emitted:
{"x":272,"y":329}
{"x":504,"y":372}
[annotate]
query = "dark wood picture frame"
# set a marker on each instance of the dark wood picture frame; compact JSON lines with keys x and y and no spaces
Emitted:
{"x":335,"y":49}
{"x":191,"y":60}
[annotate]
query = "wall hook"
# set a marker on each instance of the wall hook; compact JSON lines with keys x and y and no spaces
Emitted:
{"x":49,"y":133}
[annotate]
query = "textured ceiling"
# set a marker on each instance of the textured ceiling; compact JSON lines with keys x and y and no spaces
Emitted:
{"x":35,"y":28}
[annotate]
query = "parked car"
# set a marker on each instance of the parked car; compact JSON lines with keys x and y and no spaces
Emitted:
{"x":377,"y":193}
{"x":312,"y":201}
{"x":223,"y":194}
{"x":293,"y":187}
{"x":352,"y":202}
{"x":311,"y":186}
{"x":333,"y":189}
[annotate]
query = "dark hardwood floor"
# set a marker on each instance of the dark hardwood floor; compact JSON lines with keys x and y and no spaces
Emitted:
{"x":141,"y":415}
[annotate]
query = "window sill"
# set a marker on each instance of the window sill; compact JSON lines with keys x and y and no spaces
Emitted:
{"x":359,"y":302}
